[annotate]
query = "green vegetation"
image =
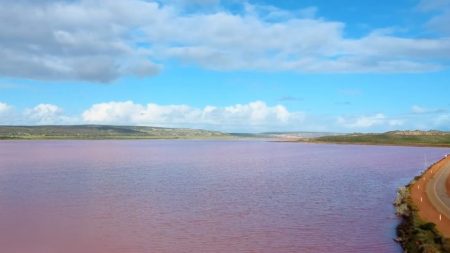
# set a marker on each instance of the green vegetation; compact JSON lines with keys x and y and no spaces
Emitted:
{"x":406,"y":138}
{"x":415,"y":235}
{"x":104,"y":132}
{"x":87,"y":132}
{"x":421,"y":237}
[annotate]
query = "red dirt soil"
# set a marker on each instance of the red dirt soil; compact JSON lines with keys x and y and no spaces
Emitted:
{"x":447,"y":185}
{"x":426,"y":210}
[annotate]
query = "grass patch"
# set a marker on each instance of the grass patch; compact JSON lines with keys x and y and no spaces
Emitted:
{"x":96,"y":132}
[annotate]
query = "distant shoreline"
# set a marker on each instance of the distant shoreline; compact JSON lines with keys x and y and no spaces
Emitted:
{"x":414,"y":138}
{"x":224,"y":138}
{"x":395,"y":138}
{"x":116,"y":138}
{"x":104,"y":132}
{"x":376,"y":144}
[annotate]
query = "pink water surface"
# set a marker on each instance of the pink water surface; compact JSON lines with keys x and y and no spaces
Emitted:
{"x":201,"y":196}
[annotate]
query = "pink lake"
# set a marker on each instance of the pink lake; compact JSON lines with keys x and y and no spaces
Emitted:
{"x":201,"y":196}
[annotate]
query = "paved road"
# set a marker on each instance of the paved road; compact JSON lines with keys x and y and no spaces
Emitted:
{"x":437,"y":192}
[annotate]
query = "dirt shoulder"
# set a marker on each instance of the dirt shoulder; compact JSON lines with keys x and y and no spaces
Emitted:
{"x":421,"y":200}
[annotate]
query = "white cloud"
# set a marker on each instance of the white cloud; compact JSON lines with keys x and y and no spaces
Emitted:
{"x":46,"y":114}
{"x":395,"y":122}
{"x":418,"y":109}
{"x":253,"y":115}
{"x":74,"y":40}
{"x":441,"y":15}
{"x":442,"y":122}
{"x":364,"y":122}
{"x":8,"y":114}
{"x":440,"y":22}
{"x":433,"y":5}
{"x":93,"y":40}
{"x":309,"y":12}
{"x":272,"y":13}
{"x":4,"y":108}
{"x":431,"y":118}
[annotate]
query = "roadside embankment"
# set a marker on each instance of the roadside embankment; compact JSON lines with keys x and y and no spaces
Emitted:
{"x":424,"y":226}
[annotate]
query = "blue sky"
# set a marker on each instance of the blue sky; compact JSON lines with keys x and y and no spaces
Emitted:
{"x":344,"y":66}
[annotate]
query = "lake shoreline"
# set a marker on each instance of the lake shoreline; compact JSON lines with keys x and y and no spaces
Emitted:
{"x":416,"y":231}
{"x":377,"y":144}
{"x":230,"y":138}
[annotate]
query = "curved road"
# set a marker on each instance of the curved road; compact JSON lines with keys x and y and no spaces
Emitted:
{"x":437,"y":192}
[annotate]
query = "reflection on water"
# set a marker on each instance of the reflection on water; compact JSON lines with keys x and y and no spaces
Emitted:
{"x":200,"y":196}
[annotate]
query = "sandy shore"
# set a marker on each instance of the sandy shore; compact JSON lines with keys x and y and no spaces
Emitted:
{"x":425,"y":201}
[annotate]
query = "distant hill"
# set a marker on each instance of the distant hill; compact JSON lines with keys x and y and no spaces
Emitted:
{"x":406,"y":138}
{"x":103,"y":132}
{"x":87,"y":132}
{"x":418,"y":133}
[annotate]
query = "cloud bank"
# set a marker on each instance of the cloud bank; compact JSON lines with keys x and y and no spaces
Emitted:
{"x":364,"y":122}
{"x":255,"y":116}
{"x":100,"y":41}
{"x":47,"y":114}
